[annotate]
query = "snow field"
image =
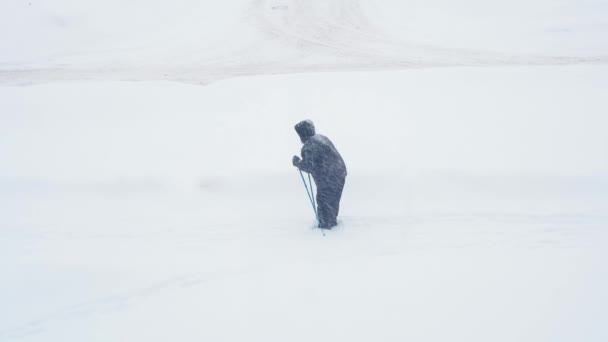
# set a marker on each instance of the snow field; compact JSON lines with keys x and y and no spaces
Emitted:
{"x":158,"y":211}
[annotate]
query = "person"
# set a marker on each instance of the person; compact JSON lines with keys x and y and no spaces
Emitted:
{"x":322,"y":160}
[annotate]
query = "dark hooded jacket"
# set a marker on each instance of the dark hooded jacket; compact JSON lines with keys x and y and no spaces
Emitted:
{"x":319,"y":156}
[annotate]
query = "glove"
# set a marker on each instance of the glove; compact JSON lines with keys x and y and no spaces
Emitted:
{"x":295,"y":161}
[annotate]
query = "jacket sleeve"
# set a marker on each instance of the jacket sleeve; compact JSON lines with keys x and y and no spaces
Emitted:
{"x":307,"y":162}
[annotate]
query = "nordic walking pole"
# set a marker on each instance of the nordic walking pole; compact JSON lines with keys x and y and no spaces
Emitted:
{"x":310,"y":196}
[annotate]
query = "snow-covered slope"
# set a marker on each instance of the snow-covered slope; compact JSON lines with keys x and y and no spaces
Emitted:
{"x":200,"y":42}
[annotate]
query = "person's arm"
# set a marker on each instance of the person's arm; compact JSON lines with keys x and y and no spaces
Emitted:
{"x":305,"y":164}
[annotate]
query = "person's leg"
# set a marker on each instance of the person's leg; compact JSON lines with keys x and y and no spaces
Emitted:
{"x":329,"y":193}
{"x":334,"y":201}
{"x":324,"y":210}
{"x":339,"y":190}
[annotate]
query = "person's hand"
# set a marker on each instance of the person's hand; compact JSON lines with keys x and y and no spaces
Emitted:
{"x":295,"y":161}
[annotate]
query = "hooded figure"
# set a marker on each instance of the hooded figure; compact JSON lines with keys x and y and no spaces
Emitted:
{"x":321,"y":159}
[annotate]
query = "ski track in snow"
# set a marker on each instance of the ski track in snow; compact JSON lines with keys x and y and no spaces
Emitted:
{"x":100,"y":306}
{"x":293,"y":37}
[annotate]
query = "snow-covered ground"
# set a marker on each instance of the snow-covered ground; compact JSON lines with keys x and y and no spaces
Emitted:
{"x":476,"y":206}
{"x":200,"y":41}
